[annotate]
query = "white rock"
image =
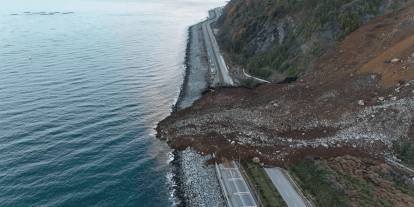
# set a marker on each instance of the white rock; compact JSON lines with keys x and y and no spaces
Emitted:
{"x":395,"y":60}
{"x":381,"y":98}
{"x":361,"y":102}
{"x":256,"y":160}
{"x":394,"y":98}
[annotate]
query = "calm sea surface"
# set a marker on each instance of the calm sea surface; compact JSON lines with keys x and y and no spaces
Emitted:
{"x":80,"y":95}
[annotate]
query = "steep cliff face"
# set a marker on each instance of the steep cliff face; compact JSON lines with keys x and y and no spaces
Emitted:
{"x":274,"y":39}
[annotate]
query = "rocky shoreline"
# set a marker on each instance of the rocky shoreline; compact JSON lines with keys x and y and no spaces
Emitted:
{"x":195,"y":183}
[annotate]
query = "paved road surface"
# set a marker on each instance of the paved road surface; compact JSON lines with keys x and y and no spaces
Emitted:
{"x":285,"y":188}
{"x":234,"y":186}
{"x":219,"y":67}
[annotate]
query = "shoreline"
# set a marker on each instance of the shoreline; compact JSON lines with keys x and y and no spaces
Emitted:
{"x":194,"y":183}
{"x":183,"y":88}
{"x":179,"y":194}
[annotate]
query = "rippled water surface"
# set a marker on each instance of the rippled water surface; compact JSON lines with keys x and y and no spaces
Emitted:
{"x":80,"y":94}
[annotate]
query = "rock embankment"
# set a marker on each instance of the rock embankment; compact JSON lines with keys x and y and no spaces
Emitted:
{"x":196,"y":182}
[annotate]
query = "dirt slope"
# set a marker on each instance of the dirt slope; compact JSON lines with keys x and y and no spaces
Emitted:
{"x":385,"y":47}
{"x":275,"y":39}
{"x":356,"y":100}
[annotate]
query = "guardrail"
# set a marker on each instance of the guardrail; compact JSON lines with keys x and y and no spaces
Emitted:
{"x":256,"y":78}
{"x":399,"y":165}
{"x":298,"y":188}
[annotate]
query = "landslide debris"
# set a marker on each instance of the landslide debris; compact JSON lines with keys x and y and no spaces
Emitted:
{"x":356,"y":100}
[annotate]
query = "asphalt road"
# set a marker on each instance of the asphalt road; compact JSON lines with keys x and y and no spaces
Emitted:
{"x":218,"y":65}
{"x":285,"y":188}
{"x":235,"y":187}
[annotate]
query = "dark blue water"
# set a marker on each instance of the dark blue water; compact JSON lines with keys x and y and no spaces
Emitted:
{"x":80,"y":95}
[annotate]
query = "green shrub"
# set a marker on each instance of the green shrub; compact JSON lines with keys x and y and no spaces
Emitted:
{"x":404,"y":150}
{"x":310,"y":19}
{"x":265,"y":64}
{"x":269,"y":195}
{"x":314,"y":180}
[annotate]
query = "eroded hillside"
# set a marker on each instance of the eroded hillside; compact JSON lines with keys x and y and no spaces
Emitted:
{"x":280,"y":38}
{"x":357,"y":99}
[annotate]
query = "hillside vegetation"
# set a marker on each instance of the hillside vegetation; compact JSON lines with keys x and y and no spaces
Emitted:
{"x":350,"y":181}
{"x":274,"y":39}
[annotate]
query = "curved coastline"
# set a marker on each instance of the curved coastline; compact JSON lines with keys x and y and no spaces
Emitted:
{"x":194,"y":183}
{"x":179,"y":194}
{"x":183,"y":88}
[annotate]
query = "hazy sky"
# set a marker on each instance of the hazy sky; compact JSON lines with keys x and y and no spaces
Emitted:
{"x":97,"y":5}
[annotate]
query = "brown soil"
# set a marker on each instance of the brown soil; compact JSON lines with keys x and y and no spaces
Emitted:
{"x":371,"y":49}
{"x":384,"y":183}
{"x":356,"y":100}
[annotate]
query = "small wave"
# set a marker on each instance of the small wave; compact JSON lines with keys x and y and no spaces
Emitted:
{"x":42,"y":13}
